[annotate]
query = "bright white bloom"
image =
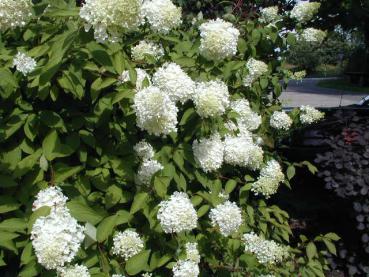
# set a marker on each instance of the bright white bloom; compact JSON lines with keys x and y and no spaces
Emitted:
{"x":144,"y":150}
{"x":299,"y":75}
{"x":280,"y":121}
{"x":248,"y":120}
{"x":146,"y":274}
{"x":177,"y":214}
{"x":56,"y":239}
{"x":209,"y":152}
{"x":305,"y":11}
{"x":14,"y":13}
{"x":266,"y":251}
{"x":147,"y":49}
{"x":74,"y":271}
{"x":162,"y":15}
{"x":141,"y":76}
{"x":155,"y":112}
{"x":174,"y":82}
{"x":186,"y":268}
{"x":227,"y":217}
{"x":211,"y":98}
{"x":309,"y":115}
{"x":313,"y":35}
{"x":219,"y":39}
{"x":267,"y":275}
{"x":241,"y":151}
{"x":270,"y":177}
{"x":192,"y":253}
{"x":255,"y":70}
{"x":117,"y":275}
{"x":127,"y":244}
{"x":110,"y":19}
{"x":52,"y":197}
{"x":269,"y":14}
{"x":147,"y":169}
{"x":24,"y":63}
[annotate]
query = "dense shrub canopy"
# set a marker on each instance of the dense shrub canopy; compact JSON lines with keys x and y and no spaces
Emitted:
{"x":133,"y":142}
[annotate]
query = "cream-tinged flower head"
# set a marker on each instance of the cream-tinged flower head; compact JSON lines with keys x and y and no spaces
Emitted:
{"x":24,"y":63}
{"x":227,"y":217}
{"x":52,"y":197}
{"x":74,"y":271}
{"x":313,"y":35}
{"x":147,"y":49}
{"x":309,"y":115}
{"x":192,"y":253}
{"x":211,"y":98}
{"x":177,"y":214}
{"x":268,"y":182}
{"x":110,"y":19}
{"x":174,"y":82}
{"x":219,"y":39}
{"x":248,"y":120}
{"x":147,"y":169}
{"x":162,"y":15}
{"x":209,"y":152}
{"x":269,"y":14}
{"x":127,"y":244}
{"x":255,"y":70}
{"x":56,"y":239}
{"x":280,"y":121}
{"x":144,"y":150}
{"x":186,"y":268}
{"x":305,"y":11}
{"x":14,"y":13}
{"x":155,"y":112}
{"x":266,"y":251}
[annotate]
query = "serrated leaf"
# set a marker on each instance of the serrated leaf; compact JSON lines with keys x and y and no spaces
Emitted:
{"x":138,"y":263}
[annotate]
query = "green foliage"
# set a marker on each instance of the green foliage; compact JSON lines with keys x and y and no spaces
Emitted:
{"x":72,"y":124}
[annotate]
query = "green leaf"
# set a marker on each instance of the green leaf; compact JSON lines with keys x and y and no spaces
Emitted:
{"x":27,"y":254}
{"x":311,"y":250}
{"x":52,"y":147}
{"x":7,"y":182}
{"x":105,"y":228}
{"x":8,"y":204}
{"x":52,"y":120}
{"x":63,"y":172}
{"x":330,"y":246}
{"x":139,"y":202}
{"x":13,"y":225}
{"x":43,"y":211}
{"x":291,"y":171}
{"x":230,"y":186}
{"x":83,"y":212}
{"x":138,"y":263}
{"x":25,"y":165}
{"x":161,"y":184}
{"x":203,"y":210}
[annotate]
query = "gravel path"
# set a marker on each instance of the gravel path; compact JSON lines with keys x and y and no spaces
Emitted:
{"x":307,"y":92}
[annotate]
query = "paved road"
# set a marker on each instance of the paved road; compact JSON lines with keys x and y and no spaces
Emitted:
{"x":308,"y":93}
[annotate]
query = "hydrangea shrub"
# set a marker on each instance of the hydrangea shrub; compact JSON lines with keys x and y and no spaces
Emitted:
{"x":133,"y":143}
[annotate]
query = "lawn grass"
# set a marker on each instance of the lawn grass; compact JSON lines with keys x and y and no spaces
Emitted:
{"x":342,"y":84}
{"x":327,"y":70}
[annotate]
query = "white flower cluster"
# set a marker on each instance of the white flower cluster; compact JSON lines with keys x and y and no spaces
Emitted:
{"x":313,"y":35}
{"x":241,"y":151}
{"x":270,"y":177}
{"x":111,"y":18}
{"x":117,"y":275}
{"x":211,"y":98}
{"x":309,"y":115}
{"x":177,"y":214}
{"x":147,"y":169}
{"x":146,"y":274}
{"x":267,"y":275}
{"x":305,"y":11}
{"x":144,"y":150}
{"x":56,"y":238}
{"x":141,"y":76}
{"x":248,"y":120}
{"x":280,"y":120}
{"x":219,"y":39}
{"x":24,"y":63}
{"x":299,"y":75}
{"x":73,"y":271}
{"x":227,"y":217}
{"x":266,"y":251}
{"x":146,"y":49}
{"x":127,"y":244}
{"x":209,"y":152}
{"x":174,"y":82}
{"x":51,"y":197}
{"x":14,"y":13}
{"x":269,"y":14}
{"x":255,"y":70}
{"x":192,"y":253}
{"x":186,"y":268}
{"x":155,"y":112}
{"x":162,"y":15}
